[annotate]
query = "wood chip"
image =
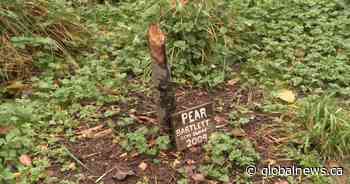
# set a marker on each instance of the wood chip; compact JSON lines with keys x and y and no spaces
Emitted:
{"x":143,"y":119}
{"x":88,"y":132}
{"x":102,"y":133}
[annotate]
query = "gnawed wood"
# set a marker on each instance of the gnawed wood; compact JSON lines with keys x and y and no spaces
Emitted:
{"x":88,"y":132}
{"x":161,"y":77}
{"x":156,"y":40}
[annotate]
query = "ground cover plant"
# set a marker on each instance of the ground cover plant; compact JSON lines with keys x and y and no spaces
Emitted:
{"x":320,"y":118}
{"x":76,"y":100}
{"x":306,"y":49}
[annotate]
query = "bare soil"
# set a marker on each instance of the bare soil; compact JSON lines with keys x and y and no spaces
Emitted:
{"x":104,"y":157}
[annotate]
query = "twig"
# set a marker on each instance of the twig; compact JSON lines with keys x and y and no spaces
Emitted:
{"x":142,"y":119}
{"x":221,"y":126}
{"x":91,"y":155}
{"x":155,"y":180}
{"x":88,"y":132}
{"x":76,"y":159}
{"x":103,"y":133}
{"x":103,"y":175}
{"x":171,"y":179}
{"x":150,"y":112}
{"x":93,"y":129}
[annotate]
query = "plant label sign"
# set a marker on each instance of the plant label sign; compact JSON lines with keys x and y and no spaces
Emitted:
{"x":193,"y":126}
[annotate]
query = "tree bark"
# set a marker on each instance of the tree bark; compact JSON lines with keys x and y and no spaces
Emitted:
{"x":161,"y":77}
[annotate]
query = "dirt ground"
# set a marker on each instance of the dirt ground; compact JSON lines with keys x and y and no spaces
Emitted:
{"x":105,"y":159}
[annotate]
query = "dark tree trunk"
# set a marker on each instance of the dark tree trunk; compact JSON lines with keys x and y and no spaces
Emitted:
{"x":161,"y":77}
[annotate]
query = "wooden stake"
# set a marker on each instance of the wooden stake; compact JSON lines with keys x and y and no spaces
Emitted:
{"x":161,"y":76}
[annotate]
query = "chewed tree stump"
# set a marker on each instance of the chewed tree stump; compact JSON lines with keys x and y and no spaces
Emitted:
{"x":161,"y":77}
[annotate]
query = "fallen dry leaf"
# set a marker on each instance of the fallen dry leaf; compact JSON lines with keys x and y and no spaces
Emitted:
{"x":143,"y":166}
{"x":25,"y":160}
{"x":198,"y":177}
{"x":4,"y":130}
{"x":102,"y":133}
{"x":134,"y":154}
{"x":72,"y":166}
{"x":212,"y":182}
{"x":194,"y":149}
{"x":281,"y":182}
{"x":122,"y":174}
{"x":44,"y":147}
{"x":143,"y":119}
{"x":299,"y":53}
{"x":146,"y":119}
{"x":182,"y":2}
{"x":88,"y":132}
{"x":286,"y":95}
{"x":50,"y":173}
{"x":190,"y":162}
{"x":106,"y":90}
{"x":220,"y":119}
{"x":15,"y":87}
{"x":269,"y":161}
{"x":189,"y":170}
{"x":238,"y":132}
{"x":123,"y":155}
{"x":176,"y":163}
{"x":332,"y":163}
{"x":232,"y":82}
{"x":343,"y":179}
{"x":17,"y":174}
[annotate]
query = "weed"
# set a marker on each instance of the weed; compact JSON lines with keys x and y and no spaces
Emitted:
{"x":138,"y":140}
{"x":202,"y":40}
{"x":308,"y":160}
{"x":324,"y":126}
{"x":305,"y":49}
{"x":227,"y":153}
{"x":19,"y":140}
{"x":239,"y":117}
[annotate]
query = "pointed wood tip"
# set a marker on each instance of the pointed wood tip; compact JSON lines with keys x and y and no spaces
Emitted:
{"x":156,"y":40}
{"x":155,"y":35}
